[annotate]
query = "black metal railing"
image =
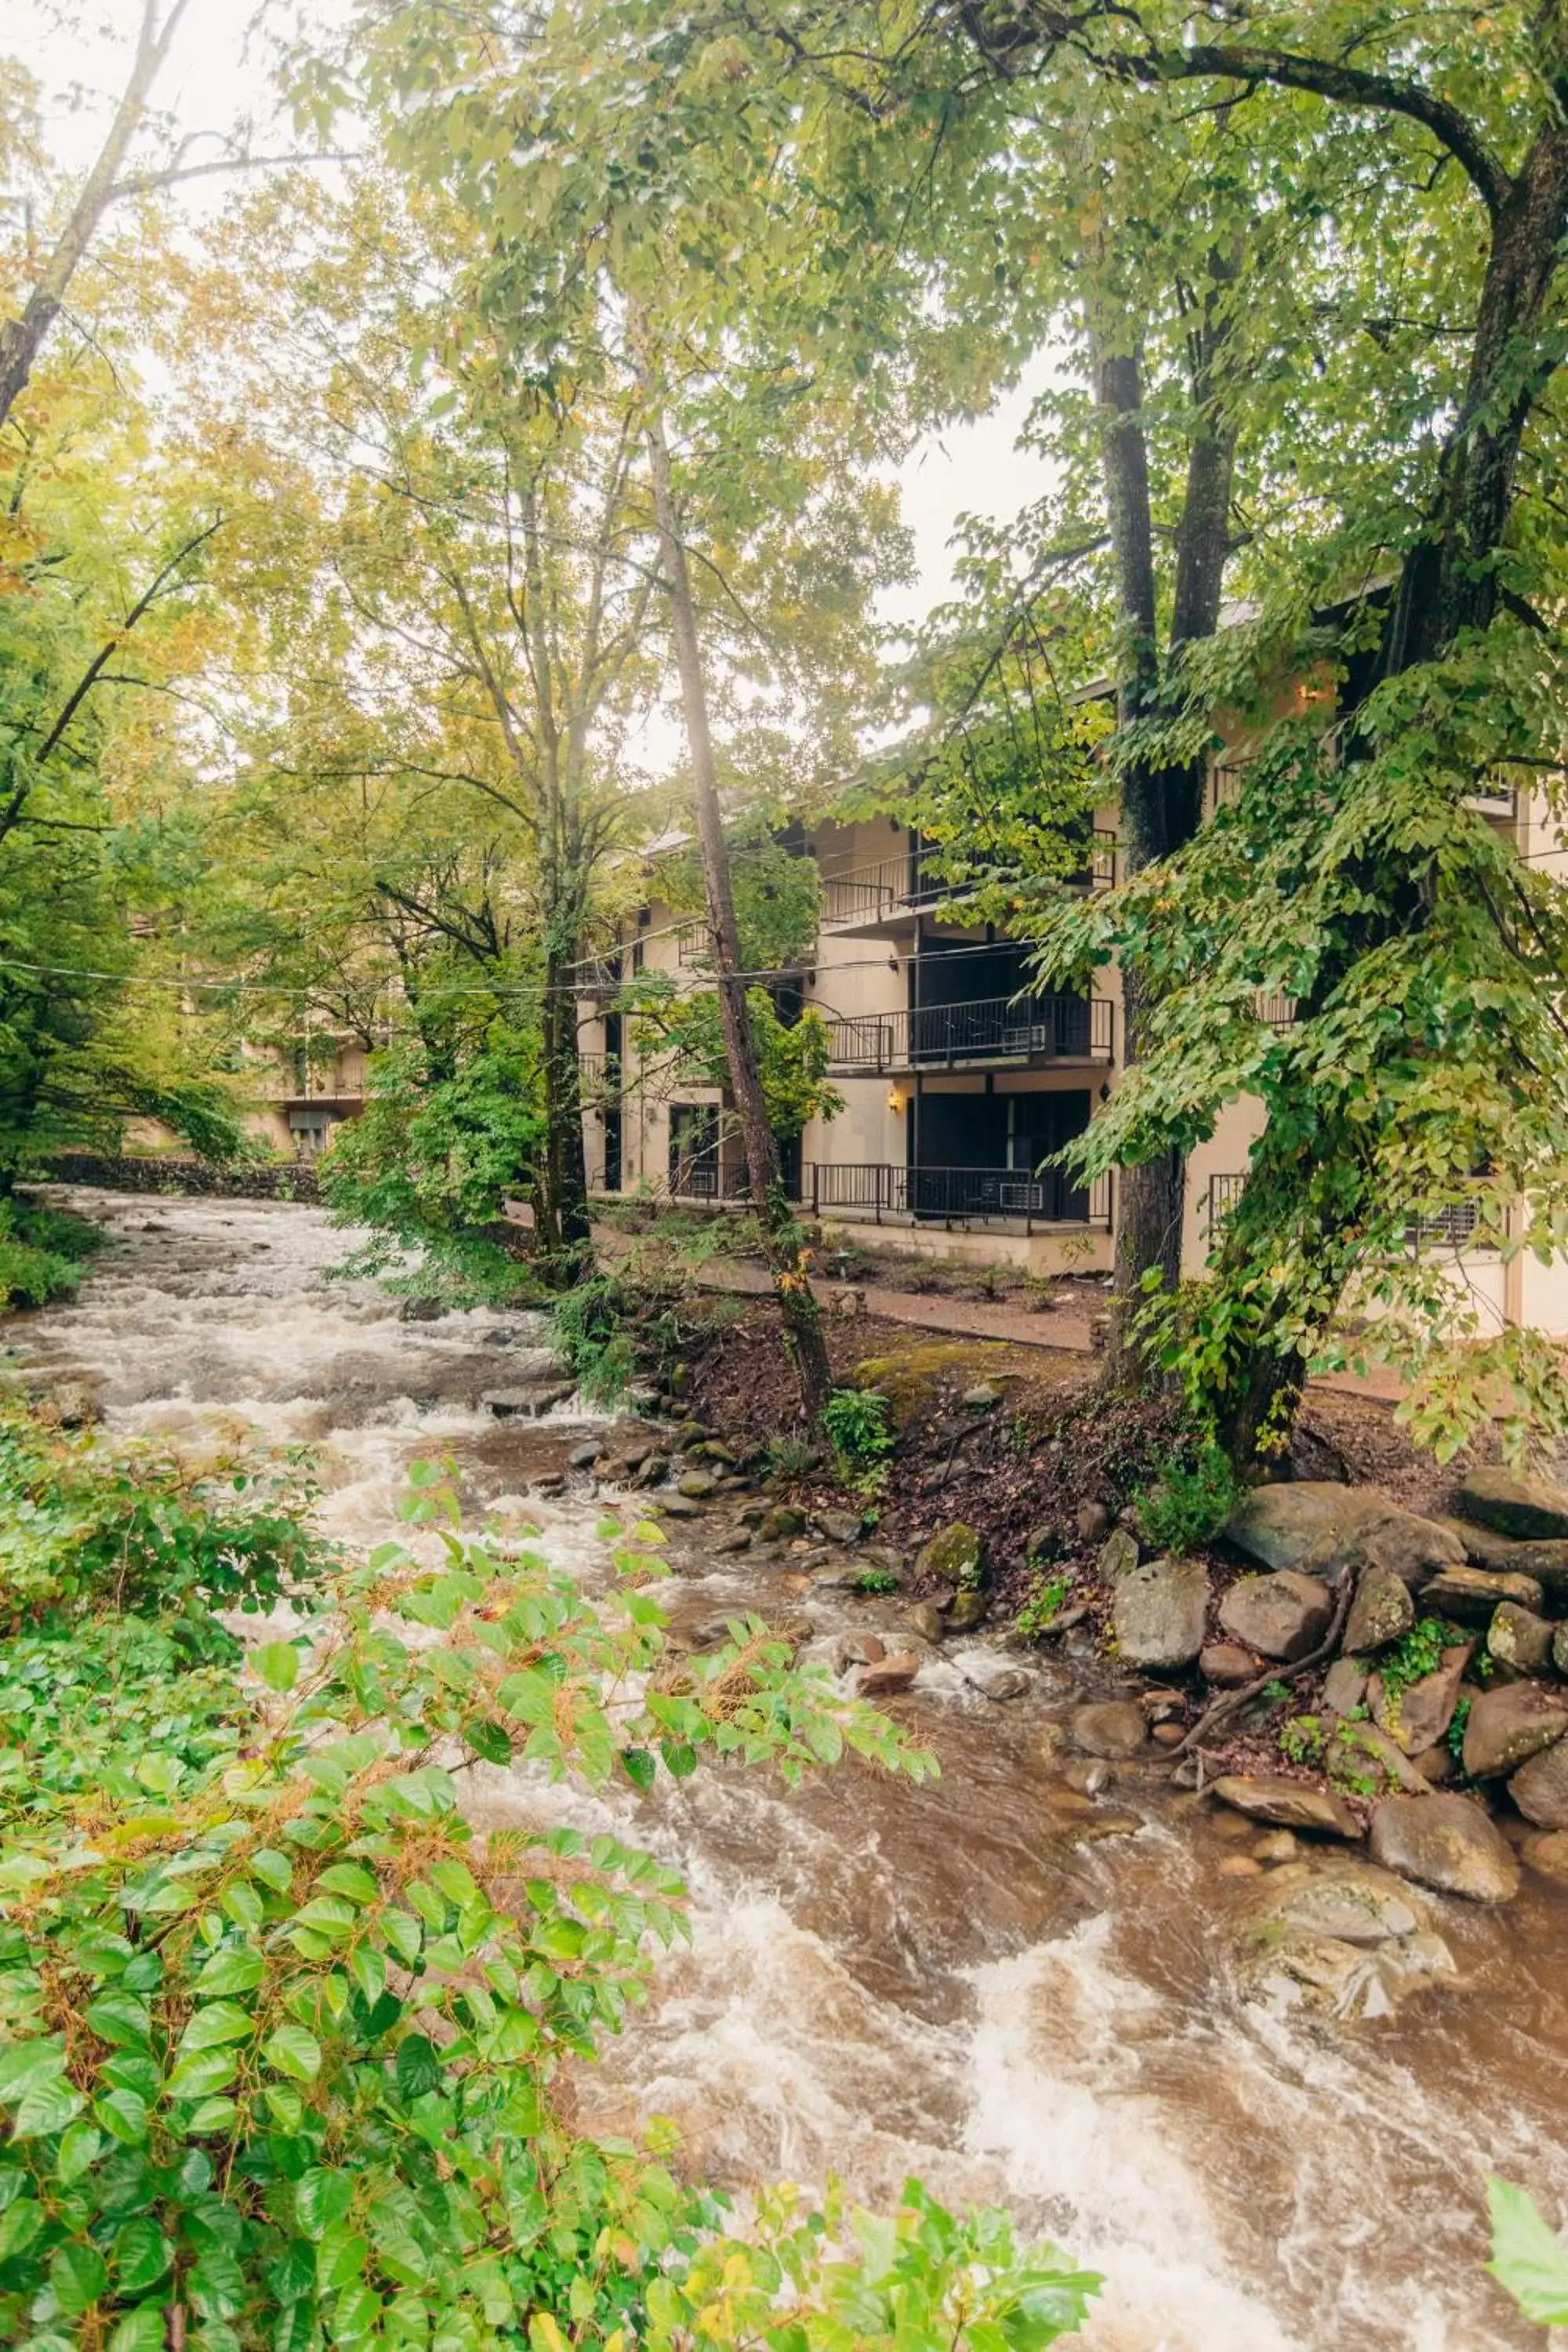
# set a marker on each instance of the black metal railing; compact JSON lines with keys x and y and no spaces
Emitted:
{"x":955,"y":1195}
{"x":902,"y":885}
{"x":994,"y":1029}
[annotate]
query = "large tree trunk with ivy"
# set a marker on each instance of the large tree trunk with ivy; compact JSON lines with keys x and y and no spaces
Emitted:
{"x":797,"y":1302}
{"x":1161,"y":805}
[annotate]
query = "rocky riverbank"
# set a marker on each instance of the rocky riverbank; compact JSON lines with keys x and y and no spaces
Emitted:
{"x":1371,"y":1673}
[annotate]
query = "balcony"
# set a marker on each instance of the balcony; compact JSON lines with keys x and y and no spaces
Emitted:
{"x":959,"y":1036}
{"x":954,"y":1196}
{"x":892,"y":890}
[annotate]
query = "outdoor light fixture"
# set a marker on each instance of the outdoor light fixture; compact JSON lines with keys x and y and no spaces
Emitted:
{"x":895,"y":1100}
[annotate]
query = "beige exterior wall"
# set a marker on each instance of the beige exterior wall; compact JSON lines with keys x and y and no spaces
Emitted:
{"x":868,"y":936}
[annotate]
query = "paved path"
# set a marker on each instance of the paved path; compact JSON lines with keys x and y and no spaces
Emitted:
{"x":963,"y":1318}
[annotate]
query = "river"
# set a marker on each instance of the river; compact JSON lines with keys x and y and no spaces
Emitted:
{"x":965,"y":1981}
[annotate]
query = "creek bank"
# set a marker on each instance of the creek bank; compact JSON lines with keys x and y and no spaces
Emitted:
{"x":1381,"y":1666}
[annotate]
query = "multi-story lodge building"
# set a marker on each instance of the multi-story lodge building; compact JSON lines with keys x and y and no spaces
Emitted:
{"x":960,"y":1082}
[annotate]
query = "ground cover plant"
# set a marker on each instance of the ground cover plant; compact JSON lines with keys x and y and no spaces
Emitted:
{"x":281,"y":2027}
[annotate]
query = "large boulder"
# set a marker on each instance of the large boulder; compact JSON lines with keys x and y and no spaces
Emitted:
{"x":1517,"y":1638}
{"x":1540,"y":1789}
{"x":1305,"y":1520}
{"x":1283,"y":1616}
{"x":1159,"y":1613}
{"x":1447,"y":1843}
{"x":1469,"y":1595}
{"x":1381,"y":1610}
{"x":1507,"y":1726}
{"x":1546,"y":1557}
{"x":1514,"y":1504}
{"x":1402,"y":1544}
{"x":1418,"y":1715}
{"x":1291,"y":1804}
{"x":953,"y":1555}
{"x":1341,"y":1936}
{"x":1111,"y":1727}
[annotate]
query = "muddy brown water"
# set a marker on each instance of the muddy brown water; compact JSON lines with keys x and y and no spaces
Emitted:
{"x":961,"y":1980}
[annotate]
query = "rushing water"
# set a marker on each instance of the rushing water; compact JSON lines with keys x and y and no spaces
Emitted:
{"x":963,"y":1980}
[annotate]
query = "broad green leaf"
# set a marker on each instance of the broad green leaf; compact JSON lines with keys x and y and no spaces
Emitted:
{"x":277,"y":1663}
{"x":1528,"y":2256}
{"x":294,"y":2050}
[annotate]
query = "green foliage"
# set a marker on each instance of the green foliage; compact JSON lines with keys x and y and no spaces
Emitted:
{"x":1041,"y":1609}
{"x":922,"y":2278}
{"x":856,"y":1423}
{"x":590,"y":1325}
{"x":1415,"y":1654}
{"x":442,"y":1143}
{"x":1528,"y":2256}
{"x":87,"y":1522}
{"x":281,"y":2026}
{"x":792,"y":1056}
{"x":42,"y":1251}
{"x":873,"y":1580}
{"x":1454,"y":1739}
{"x":1191,"y":1502}
{"x":1303,"y":1739}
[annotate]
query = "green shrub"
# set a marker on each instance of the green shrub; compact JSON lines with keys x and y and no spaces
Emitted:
{"x":84,"y":1520}
{"x":1041,"y":1609}
{"x":42,"y":1251}
{"x":281,"y":2027}
{"x":1189,"y":1502}
{"x":1528,"y":2256}
{"x":854,"y":1421}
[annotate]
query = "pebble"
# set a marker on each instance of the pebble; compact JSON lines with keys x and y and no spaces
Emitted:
{"x":1240,"y":1865}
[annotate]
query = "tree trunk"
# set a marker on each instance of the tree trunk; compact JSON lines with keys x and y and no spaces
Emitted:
{"x":21,"y":339}
{"x":565,"y":1232}
{"x":1162,"y":806}
{"x":797,"y":1303}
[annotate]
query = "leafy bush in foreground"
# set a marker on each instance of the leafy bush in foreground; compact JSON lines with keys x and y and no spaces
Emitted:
{"x":1528,"y":2256}
{"x":281,"y":2026}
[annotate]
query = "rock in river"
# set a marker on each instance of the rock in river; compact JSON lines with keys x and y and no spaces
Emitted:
{"x":1292,"y":1804}
{"x":1447,"y":1843}
{"x":1507,"y":1726}
{"x":1109,"y":1727}
{"x":1285,"y":1615}
{"x":1548,"y":1853}
{"x":952,"y":1554}
{"x":885,"y":1677}
{"x":1159,"y":1613}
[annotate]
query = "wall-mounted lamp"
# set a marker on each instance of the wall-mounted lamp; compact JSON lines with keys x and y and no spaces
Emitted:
{"x":1104,"y":1091}
{"x":895,"y":1100}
